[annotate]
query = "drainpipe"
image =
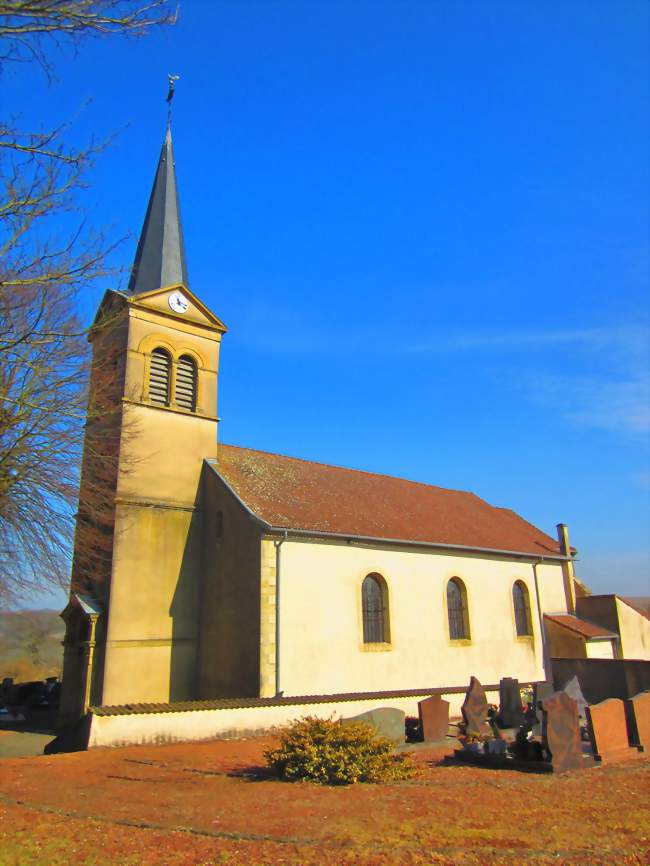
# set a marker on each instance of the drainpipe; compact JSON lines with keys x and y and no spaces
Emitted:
{"x":545,"y":660}
{"x":278,"y":545}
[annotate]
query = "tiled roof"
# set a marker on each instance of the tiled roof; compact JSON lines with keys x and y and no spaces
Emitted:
{"x":588,"y":630}
{"x":641,"y":604}
{"x":291,"y":700}
{"x":293,"y":494}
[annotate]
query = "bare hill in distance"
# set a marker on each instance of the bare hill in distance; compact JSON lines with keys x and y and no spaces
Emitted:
{"x":30,"y":644}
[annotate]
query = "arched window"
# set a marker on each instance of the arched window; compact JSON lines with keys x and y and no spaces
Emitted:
{"x":374,"y":599}
{"x":457,"y":610}
{"x":521,"y":602}
{"x":186,"y":383}
{"x":159,"y":376}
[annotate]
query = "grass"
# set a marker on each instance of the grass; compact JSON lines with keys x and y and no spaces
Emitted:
{"x":203,"y":805}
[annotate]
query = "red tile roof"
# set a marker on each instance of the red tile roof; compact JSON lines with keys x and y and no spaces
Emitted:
{"x":581,"y":626}
{"x":291,"y":700}
{"x":289,"y":493}
{"x":641,"y":604}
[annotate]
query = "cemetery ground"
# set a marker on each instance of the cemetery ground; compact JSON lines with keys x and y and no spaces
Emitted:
{"x":209,"y":803}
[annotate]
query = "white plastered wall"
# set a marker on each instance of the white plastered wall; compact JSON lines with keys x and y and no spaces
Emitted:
{"x":321,"y":646}
{"x":634,"y":632}
{"x":599,"y":649}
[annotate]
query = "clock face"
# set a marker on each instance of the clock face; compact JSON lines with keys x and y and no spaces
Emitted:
{"x":178,"y":302}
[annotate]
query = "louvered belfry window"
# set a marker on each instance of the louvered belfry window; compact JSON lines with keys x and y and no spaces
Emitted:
{"x":159,"y":377}
{"x":186,"y":383}
{"x":373,"y":598}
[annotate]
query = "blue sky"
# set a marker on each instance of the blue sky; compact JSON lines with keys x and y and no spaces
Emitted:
{"x":426,"y":226}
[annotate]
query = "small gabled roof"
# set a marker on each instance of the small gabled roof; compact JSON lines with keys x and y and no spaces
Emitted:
{"x":588,"y":630}
{"x":80,"y":601}
{"x":198,"y":312}
{"x":160,"y":256}
{"x":293,"y":494}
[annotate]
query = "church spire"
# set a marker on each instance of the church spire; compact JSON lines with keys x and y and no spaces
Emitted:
{"x":160,"y":256}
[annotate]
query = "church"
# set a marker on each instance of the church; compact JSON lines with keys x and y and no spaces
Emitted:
{"x":240,"y":574}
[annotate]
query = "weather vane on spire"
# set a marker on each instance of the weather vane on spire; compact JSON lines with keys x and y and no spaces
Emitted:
{"x":172,"y":79}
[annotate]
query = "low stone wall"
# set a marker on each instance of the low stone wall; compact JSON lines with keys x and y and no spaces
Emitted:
{"x":603,"y":678}
{"x":208,"y":720}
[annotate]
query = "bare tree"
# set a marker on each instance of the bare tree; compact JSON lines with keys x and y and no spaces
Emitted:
{"x":42,"y":388}
{"x":30,"y":28}
{"x":50,"y":407}
{"x":48,"y":255}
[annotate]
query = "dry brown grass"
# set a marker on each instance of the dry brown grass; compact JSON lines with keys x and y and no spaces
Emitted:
{"x":194,"y":805}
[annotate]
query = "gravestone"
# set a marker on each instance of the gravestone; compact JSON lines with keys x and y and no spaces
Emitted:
{"x":561,"y":732}
{"x":637,"y":711}
{"x":475,"y":710}
{"x":434,"y":718}
{"x":541,"y":692}
{"x":511,"y":714}
{"x":387,"y":721}
{"x":573,"y":690}
{"x":608,"y":731}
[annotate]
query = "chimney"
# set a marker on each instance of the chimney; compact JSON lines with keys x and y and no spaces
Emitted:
{"x":567,"y":567}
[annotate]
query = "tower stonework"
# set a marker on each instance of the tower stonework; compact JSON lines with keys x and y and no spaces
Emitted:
{"x":141,"y":643}
{"x":153,"y":622}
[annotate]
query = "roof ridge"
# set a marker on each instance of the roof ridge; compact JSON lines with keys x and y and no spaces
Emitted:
{"x":519,"y":517}
{"x":360,"y":471}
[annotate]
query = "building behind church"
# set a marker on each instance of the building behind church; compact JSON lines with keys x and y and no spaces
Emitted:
{"x":236,"y":573}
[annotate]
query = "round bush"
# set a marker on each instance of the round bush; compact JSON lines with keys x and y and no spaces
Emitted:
{"x":329,"y":753}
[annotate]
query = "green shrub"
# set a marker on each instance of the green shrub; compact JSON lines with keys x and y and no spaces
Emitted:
{"x":329,"y":753}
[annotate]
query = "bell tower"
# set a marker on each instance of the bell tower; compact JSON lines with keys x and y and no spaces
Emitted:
{"x":165,"y":347}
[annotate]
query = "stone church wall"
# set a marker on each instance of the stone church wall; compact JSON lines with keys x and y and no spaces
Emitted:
{"x":634,"y":630}
{"x":229,"y":651}
{"x":322,"y":649}
{"x":153,"y":627}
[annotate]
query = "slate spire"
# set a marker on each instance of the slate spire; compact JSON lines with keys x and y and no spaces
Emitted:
{"x":160,"y":256}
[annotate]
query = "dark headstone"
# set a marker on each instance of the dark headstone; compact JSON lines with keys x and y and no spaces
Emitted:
{"x":637,"y":711}
{"x":542,"y":691}
{"x":511,"y":714}
{"x":561,"y":732}
{"x":475,"y":710}
{"x":573,"y":690}
{"x":434,"y":718}
{"x":608,"y":731}
{"x":388,"y":722}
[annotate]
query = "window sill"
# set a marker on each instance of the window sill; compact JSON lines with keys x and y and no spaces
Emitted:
{"x":376,"y":647}
{"x":460,"y":641}
{"x":175,"y":409}
{"x":525,"y":638}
